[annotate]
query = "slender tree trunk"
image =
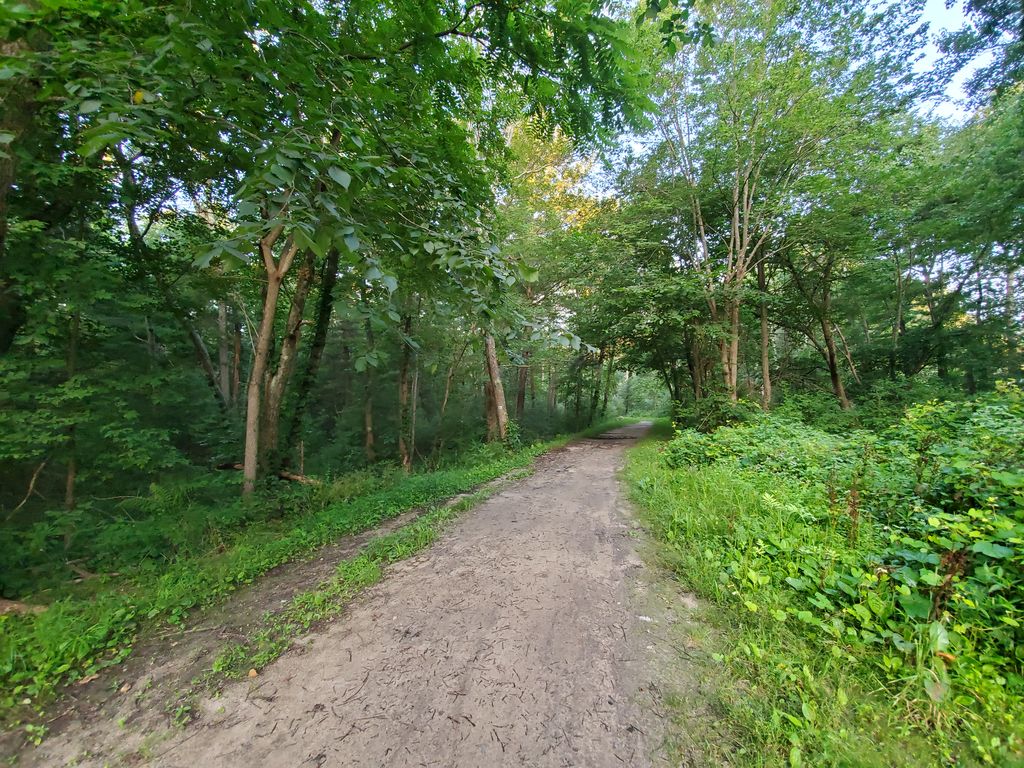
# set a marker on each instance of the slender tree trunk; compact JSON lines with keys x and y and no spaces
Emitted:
{"x":404,"y":419}
{"x":608,"y":382}
{"x":897,"y":324}
{"x":595,"y":391}
{"x":832,"y":355}
{"x":448,"y":379}
{"x":369,"y":439}
{"x":277,"y":384}
{"x":414,"y":406}
{"x":766,"y":373}
{"x":223,"y":353}
{"x":202,"y":355}
{"x":1010,"y":310}
{"x":275,"y":272}
{"x":71,"y":474}
{"x":490,"y":412}
{"x":629,"y":392}
{"x":325,"y":308}
{"x":552,"y":389}
{"x":236,"y":367}
{"x":522,"y":381}
{"x":695,"y":364}
{"x":498,"y":390}
{"x":734,"y":349}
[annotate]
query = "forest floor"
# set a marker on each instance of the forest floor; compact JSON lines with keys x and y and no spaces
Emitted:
{"x":531,"y":633}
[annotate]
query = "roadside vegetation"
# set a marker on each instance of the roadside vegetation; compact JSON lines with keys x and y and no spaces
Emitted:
{"x":869,"y":583}
{"x":274,"y":271}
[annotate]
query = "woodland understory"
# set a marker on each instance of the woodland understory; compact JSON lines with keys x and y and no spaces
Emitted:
{"x":272,"y":272}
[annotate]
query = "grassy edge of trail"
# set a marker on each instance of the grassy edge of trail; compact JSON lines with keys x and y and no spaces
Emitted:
{"x":784,"y":700}
{"x":77,"y":636}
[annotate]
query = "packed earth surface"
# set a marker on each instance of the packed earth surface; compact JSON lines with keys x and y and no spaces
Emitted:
{"x":525,"y":636}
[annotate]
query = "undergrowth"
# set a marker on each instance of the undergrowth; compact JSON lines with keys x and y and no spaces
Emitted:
{"x":867,"y":586}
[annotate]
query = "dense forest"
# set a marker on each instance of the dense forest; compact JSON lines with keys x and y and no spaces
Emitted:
{"x":273,"y":271}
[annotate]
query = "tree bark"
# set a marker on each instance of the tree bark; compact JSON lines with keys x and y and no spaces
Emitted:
{"x":277,"y":384}
{"x":325,"y":308}
{"x":369,"y":439}
{"x":552,"y":389}
{"x":831,"y":354}
{"x":498,"y":407}
{"x":766,"y":374}
{"x":236,"y":366}
{"x":275,"y":270}
{"x":522,"y":381}
{"x":1010,"y":311}
{"x":71,"y":474}
{"x":223,"y":354}
{"x":595,"y":391}
{"x":404,"y":417}
{"x":608,"y":381}
{"x":897,"y":324}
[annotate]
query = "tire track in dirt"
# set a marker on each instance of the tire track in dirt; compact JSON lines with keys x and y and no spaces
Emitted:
{"x":512,"y":641}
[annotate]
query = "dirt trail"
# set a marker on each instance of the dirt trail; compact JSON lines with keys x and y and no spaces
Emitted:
{"x":514,"y":640}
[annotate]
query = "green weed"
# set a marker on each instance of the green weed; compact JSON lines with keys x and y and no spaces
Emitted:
{"x":869,"y":584}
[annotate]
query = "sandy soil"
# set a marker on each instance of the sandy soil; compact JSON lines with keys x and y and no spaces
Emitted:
{"x":517,"y":639}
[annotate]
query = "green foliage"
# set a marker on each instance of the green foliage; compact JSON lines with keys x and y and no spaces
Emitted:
{"x":890,"y":565}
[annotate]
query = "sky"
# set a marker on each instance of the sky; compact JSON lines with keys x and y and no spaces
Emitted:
{"x":942,"y":18}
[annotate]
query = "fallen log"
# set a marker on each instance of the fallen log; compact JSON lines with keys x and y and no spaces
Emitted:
{"x":283,"y":474}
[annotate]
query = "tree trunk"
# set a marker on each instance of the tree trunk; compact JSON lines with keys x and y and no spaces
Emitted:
{"x":236,"y":367}
{"x":223,"y":354}
{"x":595,"y":391}
{"x":275,"y":272}
{"x":897,"y":324}
{"x":608,"y":382}
{"x":695,"y":364}
{"x":522,"y":381}
{"x":766,"y":374}
{"x":72,"y":464}
{"x":325,"y":307}
{"x":277,"y":384}
{"x":490,"y":412}
{"x":629,"y":390}
{"x":734,"y":350}
{"x":1010,"y":310}
{"x":832,"y":355}
{"x":498,"y":406}
{"x":404,"y":418}
{"x":369,"y":440}
{"x":552,"y":390}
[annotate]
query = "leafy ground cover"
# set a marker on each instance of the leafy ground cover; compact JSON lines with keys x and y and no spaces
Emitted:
{"x":870,"y":583}
{"x":164,"y":572}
